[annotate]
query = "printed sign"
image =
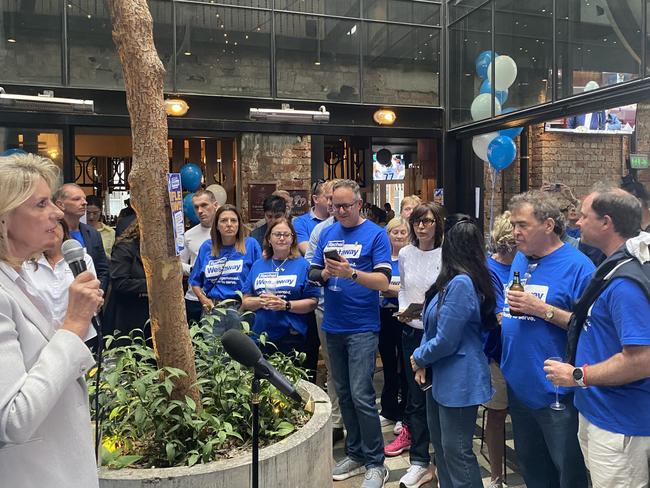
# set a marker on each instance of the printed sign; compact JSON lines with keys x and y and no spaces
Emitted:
{"x":175,"y":191}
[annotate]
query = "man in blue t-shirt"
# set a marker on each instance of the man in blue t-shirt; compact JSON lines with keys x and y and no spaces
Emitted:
{"x":304,"y":224}
{"x":353,"y":261}
{"x":534,"y":326}
{"x":613,"y":380}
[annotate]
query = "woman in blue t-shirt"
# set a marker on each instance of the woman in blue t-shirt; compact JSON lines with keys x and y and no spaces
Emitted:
{"x":278,"y":290}
{"x":222,"y":265}
{"x":458,"y":305}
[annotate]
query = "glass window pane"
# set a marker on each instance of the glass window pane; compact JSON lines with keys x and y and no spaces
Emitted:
{"x":401,"y":64}
{"x":458,"y":8}
{"x":402,"y":11}
{"x":524,"y":33}
{"x":242,"y":3}
{"x":597,"y":43}
{"x":94,"y":61}
{"x":467,"y":39}
{"x":30,"y":42}
{"x":46,"y":142}
{"x":345,"y":8}
{"x":223,"y":50}
{"x":317,"y":58}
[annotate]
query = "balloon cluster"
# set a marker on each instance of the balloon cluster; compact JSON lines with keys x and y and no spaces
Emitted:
{"x":497,"y":148}
{"x":191,"y":177}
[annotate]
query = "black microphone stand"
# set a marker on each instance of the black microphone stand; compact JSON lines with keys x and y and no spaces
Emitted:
{"x":255,"y":400}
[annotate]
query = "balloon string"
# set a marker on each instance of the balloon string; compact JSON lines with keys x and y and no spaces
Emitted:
{"x":493,"y":176}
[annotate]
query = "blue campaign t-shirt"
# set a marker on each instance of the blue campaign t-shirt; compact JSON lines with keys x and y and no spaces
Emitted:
{"x":354,"y":308}
{"x":304,"y":225}
{"x":394,"y":280}
{"x":221,"y":277}
{"x":291,"y":282}
{"x":76,"y":234}
{"x":499,"y":274}
{"x":557,"y":279}
{"x":619,"y":317}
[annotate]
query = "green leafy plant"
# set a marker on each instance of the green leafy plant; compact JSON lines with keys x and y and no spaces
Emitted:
{"x":144,"y":427}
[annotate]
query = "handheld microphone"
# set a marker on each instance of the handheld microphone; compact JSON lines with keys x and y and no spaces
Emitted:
{"x":243,"y":350}
{"x":73,"y":254}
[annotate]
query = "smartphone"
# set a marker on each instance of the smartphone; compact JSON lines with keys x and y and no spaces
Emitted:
{"x":332,"y":254}
{"x":556,"y":187}
{"x":427,"y":384}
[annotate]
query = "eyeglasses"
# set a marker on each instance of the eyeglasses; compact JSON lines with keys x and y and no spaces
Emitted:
{"x":316,"y":184}
{"x":427,"y":222}
{"x":282,"y":235}
{"x":343,"y":206}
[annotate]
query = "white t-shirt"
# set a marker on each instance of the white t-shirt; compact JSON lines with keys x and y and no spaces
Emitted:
{"x":418,"y":270}
{"x":52,"y":285}
{"x":194,"y":237}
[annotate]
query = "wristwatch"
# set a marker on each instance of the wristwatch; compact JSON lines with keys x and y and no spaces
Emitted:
{"x":287,"y":305}
{"x":354,"y":275}
{"x":579,"y":377}
{"x":549,"y":314}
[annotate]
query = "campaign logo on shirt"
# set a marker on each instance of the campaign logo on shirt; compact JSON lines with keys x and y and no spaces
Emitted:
{"x":349,"y":251}
{"x":223,"y":266}
{"x":263,"y":280}
{"x":540,"y":291}
{"x":395,"y":281}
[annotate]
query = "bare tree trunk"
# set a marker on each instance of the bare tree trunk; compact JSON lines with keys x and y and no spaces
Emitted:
{"x":144,"y":78}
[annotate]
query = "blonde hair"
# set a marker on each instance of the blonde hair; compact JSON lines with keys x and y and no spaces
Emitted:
{"x":413,"y":200}
{"x":397,"y":222}
{"x":19,"y":174}
{"x":502,"y":234}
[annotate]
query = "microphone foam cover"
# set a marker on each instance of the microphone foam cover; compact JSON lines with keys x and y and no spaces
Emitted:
{"x":72,"y":251}
{"x":241,"y":348}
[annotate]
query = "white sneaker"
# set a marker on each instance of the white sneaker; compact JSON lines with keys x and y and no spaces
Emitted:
{"x":385,"y":422}
{"x":398,"y":427}
{"x":417,"y":476}
{"x":497,"y":483}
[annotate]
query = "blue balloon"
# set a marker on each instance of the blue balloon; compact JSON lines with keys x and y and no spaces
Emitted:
{"x":13,"y":150}
{"x":501,"y":95}
{"x":501,"y":152}
{"x":482,"y":62}
{"x":191,"y":177}
{"x":188,"y":209}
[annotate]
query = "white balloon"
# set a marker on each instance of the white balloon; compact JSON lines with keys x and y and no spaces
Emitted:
{"x":480,"y":144}
{"x":219,"y":193}
{"x":505,"y":70}
{"x":481,"y":107}
{"x":592,"y":85}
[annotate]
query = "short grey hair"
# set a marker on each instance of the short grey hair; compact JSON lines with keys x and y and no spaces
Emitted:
{"x":545,"y":206}
{"x":622,"y":207}
{"x":62,"y":191}
{"x":351,"y":184}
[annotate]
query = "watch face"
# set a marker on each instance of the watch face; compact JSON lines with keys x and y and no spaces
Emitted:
{"x":548,"y":314}
{"x":577,"y":374}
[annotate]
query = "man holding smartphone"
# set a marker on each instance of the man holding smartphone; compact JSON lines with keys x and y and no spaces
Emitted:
{"x":353,"y":261}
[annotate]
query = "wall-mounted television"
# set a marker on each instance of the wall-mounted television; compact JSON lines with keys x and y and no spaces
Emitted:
{"x":617,"y":121}
{"x":386,"y":169}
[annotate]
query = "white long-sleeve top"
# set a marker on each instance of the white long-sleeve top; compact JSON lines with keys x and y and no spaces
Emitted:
{"x":194,"y":237}
{"x":418,"y":270}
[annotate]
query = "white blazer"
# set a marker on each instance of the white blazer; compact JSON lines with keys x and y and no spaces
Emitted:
{"x":45,"y":432}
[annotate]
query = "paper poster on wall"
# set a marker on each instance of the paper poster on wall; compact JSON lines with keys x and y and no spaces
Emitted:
{"x":175,"y":191}
{"x":257,"y":192}
{"x":300,"y":202}
{"x":439,"y":196}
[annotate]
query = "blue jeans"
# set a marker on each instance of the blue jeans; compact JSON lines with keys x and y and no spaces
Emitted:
{"x":352,"y":360}
{"x":451,"y":430}
{"x":546,"y":442}
{"x":415,"y":412}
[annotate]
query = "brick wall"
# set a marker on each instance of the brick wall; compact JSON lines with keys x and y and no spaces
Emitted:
{"x":279,"y":159}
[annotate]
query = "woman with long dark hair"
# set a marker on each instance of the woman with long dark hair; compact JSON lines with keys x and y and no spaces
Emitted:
{"x":459,"y":304}
{"x":222,"y":266}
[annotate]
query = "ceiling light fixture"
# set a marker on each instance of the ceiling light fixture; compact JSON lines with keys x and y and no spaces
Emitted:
{"x":384,"y":116}
{"x":176,"y":107}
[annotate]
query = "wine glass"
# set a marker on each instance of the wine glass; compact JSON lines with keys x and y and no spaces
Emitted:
{"x":557,"y":405}
{"x":334,"y":284}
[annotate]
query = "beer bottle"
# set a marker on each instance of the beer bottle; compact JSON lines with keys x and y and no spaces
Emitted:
{"x":516,"y":286}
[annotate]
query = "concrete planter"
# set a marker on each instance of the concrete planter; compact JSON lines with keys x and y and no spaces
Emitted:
{"x":300,"y":460}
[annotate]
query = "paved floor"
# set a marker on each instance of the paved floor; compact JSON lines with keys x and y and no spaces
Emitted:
{"x":398,"y":465}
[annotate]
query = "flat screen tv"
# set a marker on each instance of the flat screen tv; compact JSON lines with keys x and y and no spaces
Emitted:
{"x":390,"y":169}
{"x":616,"y":121}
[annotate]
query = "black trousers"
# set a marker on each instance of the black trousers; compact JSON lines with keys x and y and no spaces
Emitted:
{"x":312,"y":346}
{"x":393,"y":395}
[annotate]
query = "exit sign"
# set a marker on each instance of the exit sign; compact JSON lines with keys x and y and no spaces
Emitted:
{"x":639,"y":161}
